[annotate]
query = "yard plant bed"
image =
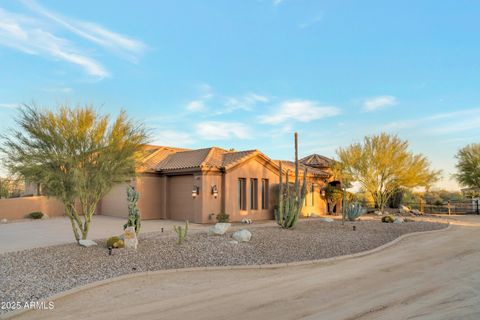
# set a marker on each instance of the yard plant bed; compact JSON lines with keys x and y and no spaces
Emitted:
{"x":35,"y":274}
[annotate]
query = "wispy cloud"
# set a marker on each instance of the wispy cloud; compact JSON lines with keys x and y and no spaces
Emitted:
{"x":196,"y":105}
{"x":173,"y":138}
{"x":441,"y":123}
{"x":310,"y":22}
{"x":246,"y":102}
{"x":299,"y":110}
{"x":218,"y":130}
{"x":25,"y":34}
{"x":35,"y":35}
{"x":8,"y":105}
{"x":379,"y":102}
{"x":277,"y":2}
{"x":115,"y":42}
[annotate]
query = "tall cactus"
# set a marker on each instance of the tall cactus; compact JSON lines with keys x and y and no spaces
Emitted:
{"x":133,"y":212}
{"x":181,"y":232}
{"x":290,"y":202}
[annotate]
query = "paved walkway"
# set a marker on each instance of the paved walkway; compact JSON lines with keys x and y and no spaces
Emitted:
{"x":426,"y":276}
{"x":27,"y":234}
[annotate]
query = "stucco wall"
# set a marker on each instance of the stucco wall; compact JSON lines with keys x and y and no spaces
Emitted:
{"x":18,"y":208}
{"x":115,"y":202}
{"x":254,"y":168}
{"x":211,"y":206}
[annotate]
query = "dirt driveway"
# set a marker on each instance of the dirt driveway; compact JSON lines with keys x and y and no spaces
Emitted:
{"x":426,"y":276}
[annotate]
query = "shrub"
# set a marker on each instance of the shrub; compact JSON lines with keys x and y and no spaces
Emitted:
{"x":388,"y":219}
{"x":111,"y":241}
{"x":36,"y":215}
{"x":222,"y":217}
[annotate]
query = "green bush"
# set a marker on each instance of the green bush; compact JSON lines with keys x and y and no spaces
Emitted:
{"x":388,"y":219}
{"x":222,"y":217}
{"x":36,"y":215}
{"x":111,"y":241}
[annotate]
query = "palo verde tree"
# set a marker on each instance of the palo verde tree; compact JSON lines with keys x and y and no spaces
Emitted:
{"x":76,"y":154}
{"x":382,"y":164}
{"x":468,"y":166}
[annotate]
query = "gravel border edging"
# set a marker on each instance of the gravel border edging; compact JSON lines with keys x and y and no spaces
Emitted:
{"x":10,"y":315}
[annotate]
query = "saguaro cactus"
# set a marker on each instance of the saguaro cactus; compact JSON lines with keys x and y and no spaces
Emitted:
{"x":290,"y":202}
{"x":133,"y":212}
{"x":181,"y":232}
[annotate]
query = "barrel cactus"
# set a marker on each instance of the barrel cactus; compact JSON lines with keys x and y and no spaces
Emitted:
{"x":290,"y":202}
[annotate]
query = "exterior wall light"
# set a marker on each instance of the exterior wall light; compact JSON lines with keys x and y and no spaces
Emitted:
{"x":323,"y":193}
{"x":215,"y":191}
{"x":195,"y":191}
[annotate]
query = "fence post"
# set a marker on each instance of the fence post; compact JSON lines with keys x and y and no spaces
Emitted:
{"x":477,"y":207}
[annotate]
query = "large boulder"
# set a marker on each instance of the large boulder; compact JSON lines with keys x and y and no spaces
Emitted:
{"x":398,"y":220}
{"x":242,"y":235}
{"x":219,"y":229}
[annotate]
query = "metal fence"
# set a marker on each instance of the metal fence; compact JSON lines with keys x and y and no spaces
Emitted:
{"x":452,"y":207}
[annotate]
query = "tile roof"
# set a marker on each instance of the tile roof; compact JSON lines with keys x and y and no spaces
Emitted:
{"x":214,"y":157}
{"x":290,"y":165}
{"x":317,"y":161}
{"x":154,"y":155}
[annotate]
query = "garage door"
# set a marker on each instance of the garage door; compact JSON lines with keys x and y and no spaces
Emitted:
{"x":180,"y":201}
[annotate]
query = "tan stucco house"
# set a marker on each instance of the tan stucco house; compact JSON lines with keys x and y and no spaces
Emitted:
{"x":196,"y":185}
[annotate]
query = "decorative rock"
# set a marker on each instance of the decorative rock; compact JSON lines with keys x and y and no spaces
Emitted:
{"x":3,"y":221}
{"x":417,"y":212}
{"x":378,"y":213}
{"x":130,"y":240}
{"x":398,"y":220}
{"x":405,"y":208}
{"x":326,"y":219}
{"x":242,"y":235}
{"x":233,"y":241}
{"x":247,"y":220}
{"x":218,"y":229}
{"x":87,"y":243}
{"x":45,"y":216}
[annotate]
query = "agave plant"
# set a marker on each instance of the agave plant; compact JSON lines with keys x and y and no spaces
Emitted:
{"x":353,"y":210}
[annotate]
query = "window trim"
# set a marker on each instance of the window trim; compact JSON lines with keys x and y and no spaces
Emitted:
{"x":265,"y":194}
{"x":241,"y":193}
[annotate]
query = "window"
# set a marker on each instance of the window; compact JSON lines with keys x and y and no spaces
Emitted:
{"x":312,"y":192}
{"x":265,"y":199}
{"x":253,"y":194}
{"x":242,"y":203}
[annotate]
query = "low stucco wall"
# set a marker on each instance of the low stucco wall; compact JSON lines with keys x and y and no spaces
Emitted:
{"x":19,"y":208}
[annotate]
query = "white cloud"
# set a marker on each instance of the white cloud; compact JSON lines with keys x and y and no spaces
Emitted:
{"x":9,"y":105}
{"x":172,"y":138}
{"x":120,"y":44}
{"x":24,"y":34}
{"x":379,"y":102}
{"x":277,"y":2}
{"x":217,"y":130}
{"x":196,"y":105}
{"x":299,"y":110}
{"x":246,"y":102}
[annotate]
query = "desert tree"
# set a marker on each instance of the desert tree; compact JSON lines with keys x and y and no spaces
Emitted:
{"x":382,"y":164}
{"x":468,"y":166}
{"x":75,"y":154}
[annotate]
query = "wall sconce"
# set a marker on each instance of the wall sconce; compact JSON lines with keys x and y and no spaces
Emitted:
{"x":215,"y":191}
{"x":323,"y":193}
{"x":195,"y":191}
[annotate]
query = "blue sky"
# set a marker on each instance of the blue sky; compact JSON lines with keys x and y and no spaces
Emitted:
{"x":246,"y":74}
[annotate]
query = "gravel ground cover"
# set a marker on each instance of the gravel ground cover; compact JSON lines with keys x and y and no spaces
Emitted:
{"x":35,"y":274}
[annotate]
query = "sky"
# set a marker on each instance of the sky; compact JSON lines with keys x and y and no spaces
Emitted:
{"x":246,"y":74}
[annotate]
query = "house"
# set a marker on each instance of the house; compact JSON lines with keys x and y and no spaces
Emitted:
{"x":196,"y":185}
